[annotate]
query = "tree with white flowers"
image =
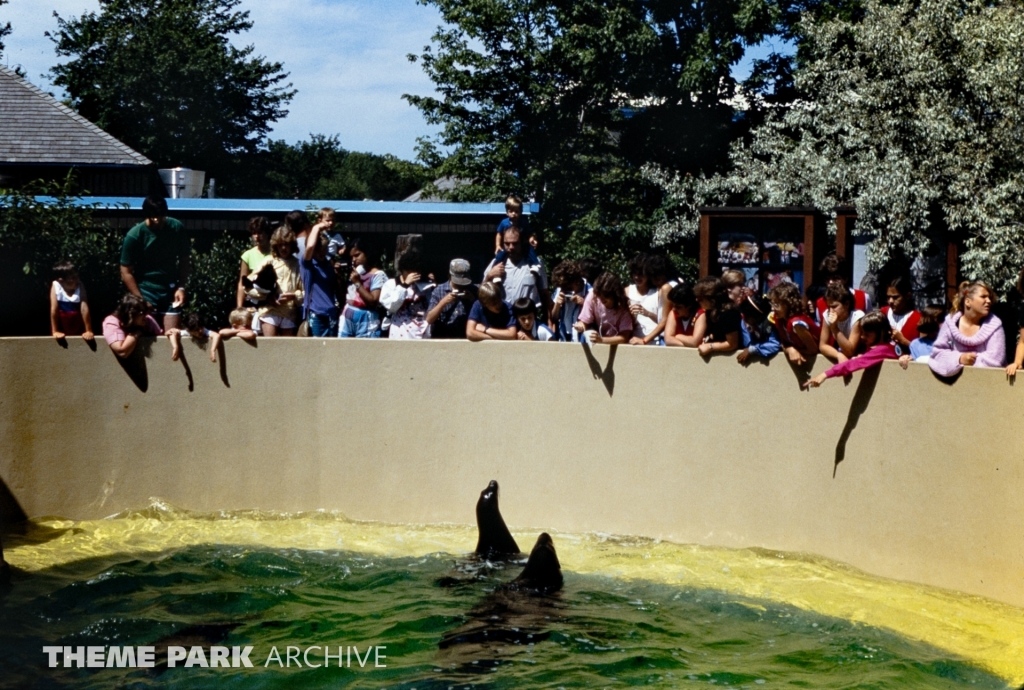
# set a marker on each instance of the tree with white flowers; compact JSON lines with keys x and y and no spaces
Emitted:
{"x":913,"y":114}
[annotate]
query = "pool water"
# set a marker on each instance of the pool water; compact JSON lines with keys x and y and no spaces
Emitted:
{"x":633,"y":612}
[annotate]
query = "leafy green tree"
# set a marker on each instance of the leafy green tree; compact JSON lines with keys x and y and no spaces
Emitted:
{"x":322,"y":169}
{"x":162,"y":76}
{"x":563,"y":102}
{"x":910,"y":113}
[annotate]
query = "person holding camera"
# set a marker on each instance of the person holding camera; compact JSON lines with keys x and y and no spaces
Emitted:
{"x":571,"y":289}
{"x":450,"y":302}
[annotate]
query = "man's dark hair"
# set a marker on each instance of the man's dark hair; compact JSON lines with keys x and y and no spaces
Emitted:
{"x":511,"y":228}
{"x":524,"y":306}
{"x":154,"y":207}
{"x":296,"y":221}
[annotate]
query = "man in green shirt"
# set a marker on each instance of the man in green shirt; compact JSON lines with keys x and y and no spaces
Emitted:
{"x":155,"y":261}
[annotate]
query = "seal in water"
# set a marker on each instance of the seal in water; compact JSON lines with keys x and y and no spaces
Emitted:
{"x":515,"y":615}
{"x":543,"y":572}
{"x":495,"y":540}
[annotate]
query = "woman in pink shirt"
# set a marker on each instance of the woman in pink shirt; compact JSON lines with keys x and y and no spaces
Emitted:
{"x":876,"y":333}
{"x":605,"y":312}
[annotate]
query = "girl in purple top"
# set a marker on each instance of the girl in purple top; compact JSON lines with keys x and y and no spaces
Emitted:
{"x":971,"y":335}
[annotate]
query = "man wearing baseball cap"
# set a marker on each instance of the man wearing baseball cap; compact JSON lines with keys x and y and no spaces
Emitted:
{"x":450,"y":303}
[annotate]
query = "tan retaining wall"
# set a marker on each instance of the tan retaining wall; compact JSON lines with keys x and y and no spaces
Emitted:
{"x":655,"y":442}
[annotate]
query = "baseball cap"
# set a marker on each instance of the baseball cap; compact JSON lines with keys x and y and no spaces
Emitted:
{"x":458,"y":270}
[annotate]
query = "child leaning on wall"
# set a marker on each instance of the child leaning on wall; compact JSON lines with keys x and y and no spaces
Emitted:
{"x":877,"y":335}
{"x":797,"y":331}
{"x":527,"y":326}
{"x":193,"y":328}
{"x":131,"y":320}
{"x":241,"y":326}
{"x":927,"y":330}
{"x":605,"y":316}
{"x":69,"y":305}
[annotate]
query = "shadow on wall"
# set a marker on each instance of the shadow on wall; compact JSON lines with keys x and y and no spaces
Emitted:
{"x":859,"y":405}
{"x":607,"y":374}
{"x":134,"y":365}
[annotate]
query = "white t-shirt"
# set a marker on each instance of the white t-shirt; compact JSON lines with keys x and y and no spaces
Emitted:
{"x":845,"y":327}
{"x":650,"y":302}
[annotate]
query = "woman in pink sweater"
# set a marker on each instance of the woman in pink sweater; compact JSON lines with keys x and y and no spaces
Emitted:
{"x":876,"y":334}
{"x":971,"y":335}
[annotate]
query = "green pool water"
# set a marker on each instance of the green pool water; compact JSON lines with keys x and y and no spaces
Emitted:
{"x":633,"y":612}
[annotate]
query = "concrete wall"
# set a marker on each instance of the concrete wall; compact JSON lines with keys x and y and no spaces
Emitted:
{"x":651,"y":442}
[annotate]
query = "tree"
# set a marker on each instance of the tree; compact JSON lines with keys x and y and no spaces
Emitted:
{"x":563,"y":102}
{"x":5,"y":30}
{"x":911,"y":113}
{"x":322,"y":169}
{"x":162,"y":76}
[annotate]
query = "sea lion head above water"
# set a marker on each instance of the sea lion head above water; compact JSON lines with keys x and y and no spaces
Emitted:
{"x":495,"y":540}
{"x":543,"y":572}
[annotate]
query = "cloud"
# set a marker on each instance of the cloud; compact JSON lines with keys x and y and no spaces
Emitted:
{"x":346,"y":58}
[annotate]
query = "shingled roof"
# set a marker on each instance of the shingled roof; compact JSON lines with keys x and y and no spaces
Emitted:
{"x":39,"y":129}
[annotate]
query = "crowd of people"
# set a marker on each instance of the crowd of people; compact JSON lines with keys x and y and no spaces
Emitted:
{"x":303,"y":278}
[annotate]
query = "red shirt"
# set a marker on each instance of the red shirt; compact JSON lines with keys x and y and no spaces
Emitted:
{"x":909,"y":329}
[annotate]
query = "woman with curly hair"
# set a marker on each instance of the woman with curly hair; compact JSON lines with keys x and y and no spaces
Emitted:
{"x":797,"y":331}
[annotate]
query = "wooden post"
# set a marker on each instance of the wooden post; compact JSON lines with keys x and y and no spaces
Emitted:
{"x":808,"y":251}
{"x":705,"y":245}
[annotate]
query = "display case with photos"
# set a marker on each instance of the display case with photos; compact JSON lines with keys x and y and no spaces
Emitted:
{"x":769,"y":246}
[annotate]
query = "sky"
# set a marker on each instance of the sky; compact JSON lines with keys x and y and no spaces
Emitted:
{"x":346,"y":58}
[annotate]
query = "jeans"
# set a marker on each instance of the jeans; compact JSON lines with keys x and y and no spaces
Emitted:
{"x":323,"y":325}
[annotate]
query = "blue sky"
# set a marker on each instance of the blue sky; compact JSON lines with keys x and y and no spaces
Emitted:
{"x":346,"y":58}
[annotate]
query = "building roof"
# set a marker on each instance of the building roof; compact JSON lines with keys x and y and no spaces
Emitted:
{"x":39,"y":129}
{"x":271,"y":206}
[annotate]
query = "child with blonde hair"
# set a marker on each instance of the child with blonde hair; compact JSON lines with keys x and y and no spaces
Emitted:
{"x":241,"y":325}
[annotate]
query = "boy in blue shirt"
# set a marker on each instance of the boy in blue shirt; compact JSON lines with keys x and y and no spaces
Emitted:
{"x":515,"y":219}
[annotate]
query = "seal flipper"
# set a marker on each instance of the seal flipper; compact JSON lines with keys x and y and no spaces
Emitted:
{"x":543,"y":572}
{"x":495,"y":539}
